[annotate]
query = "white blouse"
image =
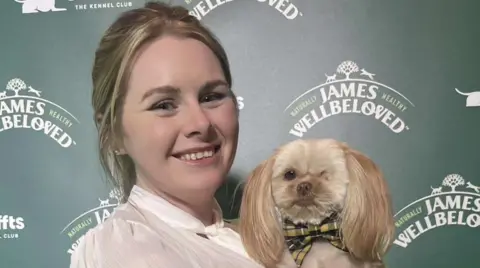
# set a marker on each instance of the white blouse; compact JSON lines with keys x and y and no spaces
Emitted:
{"x":149,"y":232}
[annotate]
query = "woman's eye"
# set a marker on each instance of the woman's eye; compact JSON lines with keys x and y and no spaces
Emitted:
{"x":212,"y":97}
{"x":163,"y":105}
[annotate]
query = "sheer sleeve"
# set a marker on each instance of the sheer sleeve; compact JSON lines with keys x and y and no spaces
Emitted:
{"x":121,"y":244}
{"x":135,"y":238}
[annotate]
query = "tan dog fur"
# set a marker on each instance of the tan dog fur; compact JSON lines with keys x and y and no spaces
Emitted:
{"x":343,"y":179}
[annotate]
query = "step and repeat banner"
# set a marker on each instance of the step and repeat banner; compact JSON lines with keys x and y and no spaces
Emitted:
{"x":398,"y":80}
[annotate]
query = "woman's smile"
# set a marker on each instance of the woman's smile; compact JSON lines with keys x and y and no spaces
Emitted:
{"x":200,"y":156}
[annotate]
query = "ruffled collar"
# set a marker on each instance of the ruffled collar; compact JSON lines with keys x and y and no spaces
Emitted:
{"x":174,"y":216}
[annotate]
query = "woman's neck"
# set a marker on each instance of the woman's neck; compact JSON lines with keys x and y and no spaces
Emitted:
{"x":203,"y":212}
{"x":199,"y":206}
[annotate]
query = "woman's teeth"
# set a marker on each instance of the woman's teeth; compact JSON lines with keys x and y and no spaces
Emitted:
{"x":197,"y":156}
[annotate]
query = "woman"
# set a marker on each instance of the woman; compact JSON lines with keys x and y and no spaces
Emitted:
{"x":168,"y":129}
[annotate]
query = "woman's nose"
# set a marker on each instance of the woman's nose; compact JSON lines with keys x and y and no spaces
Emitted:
{"x":197,"y":122}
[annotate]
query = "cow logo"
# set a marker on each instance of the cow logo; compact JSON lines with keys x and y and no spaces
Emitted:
{"x":43,"y":6}
{"x":473,"y":98}
{"x":23,"y":107}
{"x":10,"y":227}
{"x":351,"y":90}
{"x":284,"y":7}
{"x":455,"y":201}
{"x":78,"y":227}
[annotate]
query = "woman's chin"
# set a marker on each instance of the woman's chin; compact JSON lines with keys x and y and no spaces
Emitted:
{"x":207,"y":181}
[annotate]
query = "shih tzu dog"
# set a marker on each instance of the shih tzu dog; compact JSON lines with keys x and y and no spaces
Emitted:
{"x":317,"y":203}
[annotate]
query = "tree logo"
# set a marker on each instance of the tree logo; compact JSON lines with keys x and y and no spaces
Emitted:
{"x":445,"y":206}
{"x":23,"y":107}
{"x":350,"y":90}
{"x":202,"y":8}
{"x":78,"y":227}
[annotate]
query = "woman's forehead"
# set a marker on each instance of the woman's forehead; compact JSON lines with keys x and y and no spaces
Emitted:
{"x":174,"y":63}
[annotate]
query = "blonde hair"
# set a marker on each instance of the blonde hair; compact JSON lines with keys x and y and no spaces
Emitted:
{"x":114,"y":58}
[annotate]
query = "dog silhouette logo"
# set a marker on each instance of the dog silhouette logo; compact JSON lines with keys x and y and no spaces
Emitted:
{"x":35,"y":6}
{"x":473,"y":98}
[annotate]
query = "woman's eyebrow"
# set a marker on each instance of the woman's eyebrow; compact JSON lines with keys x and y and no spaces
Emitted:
{"x":210,"y":85}
{"x":167,"y":89}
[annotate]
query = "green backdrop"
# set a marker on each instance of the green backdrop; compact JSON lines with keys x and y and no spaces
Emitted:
{"x":397,"y":80}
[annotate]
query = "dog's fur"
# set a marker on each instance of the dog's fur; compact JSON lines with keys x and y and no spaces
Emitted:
{"x":343,"y":180}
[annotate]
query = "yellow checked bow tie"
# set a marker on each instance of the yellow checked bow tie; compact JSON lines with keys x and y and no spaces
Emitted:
{"x":299,"y":237}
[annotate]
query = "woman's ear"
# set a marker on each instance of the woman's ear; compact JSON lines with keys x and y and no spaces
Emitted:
{"x":98,"y":118}
{"x":115,"y":144}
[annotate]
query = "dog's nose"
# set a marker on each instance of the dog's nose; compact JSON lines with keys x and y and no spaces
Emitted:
{"x":304,"y":188}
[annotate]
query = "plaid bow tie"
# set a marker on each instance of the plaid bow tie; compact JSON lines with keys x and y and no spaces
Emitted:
{"x":300,"y":237}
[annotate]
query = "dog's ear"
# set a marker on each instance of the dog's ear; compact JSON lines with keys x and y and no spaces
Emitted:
{"x":367,"y":224}
{"x":259,"y":228}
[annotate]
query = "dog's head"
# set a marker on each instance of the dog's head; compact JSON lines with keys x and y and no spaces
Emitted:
{"x":308,"y":180}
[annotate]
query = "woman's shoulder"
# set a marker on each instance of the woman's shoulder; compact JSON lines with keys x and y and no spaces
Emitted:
{"x":123,"y":222}
{"x":120,"y":237}
{"x":115,"y":229}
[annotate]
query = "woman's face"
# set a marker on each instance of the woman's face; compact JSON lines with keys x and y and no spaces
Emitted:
{"x":179,"y":119}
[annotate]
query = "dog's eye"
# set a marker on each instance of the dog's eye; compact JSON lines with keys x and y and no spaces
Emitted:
{"x":290,"y":175}
{"x":324,"y":175}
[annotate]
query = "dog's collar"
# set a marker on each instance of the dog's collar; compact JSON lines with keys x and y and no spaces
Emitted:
{"x":300,"y":237}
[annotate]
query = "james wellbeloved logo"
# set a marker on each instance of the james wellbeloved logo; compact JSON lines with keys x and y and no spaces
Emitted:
{"x":351,"y":90}
{"x":75,"y":230}
{"x":454,"y":202}
{"x":284,"y":7}
{"x":23,"y":107}
{"x":10,"y":226}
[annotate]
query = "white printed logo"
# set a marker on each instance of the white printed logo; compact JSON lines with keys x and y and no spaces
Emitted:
{"x":441,"y":208}
{"x":284,"y":7}
{"x":9,"y":226}
{"x":31,"y":111}
{"x":79,"y":226}
{"x":473,"y":98}
{"x":351,"y":90}
{"x":240,"y":102}
{"x":36,"y":6}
